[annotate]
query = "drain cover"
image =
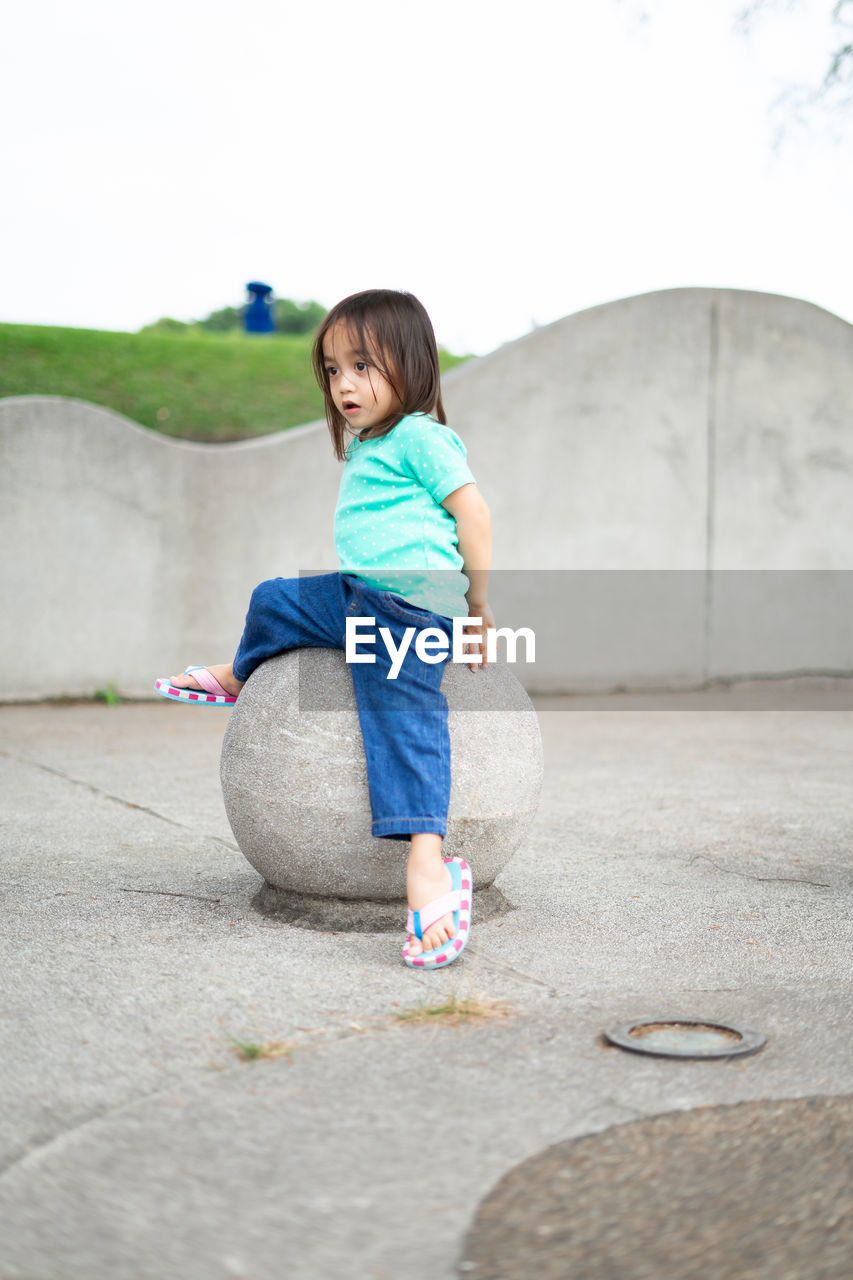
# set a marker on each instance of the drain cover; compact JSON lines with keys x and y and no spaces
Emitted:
{"x":685,"y":1038}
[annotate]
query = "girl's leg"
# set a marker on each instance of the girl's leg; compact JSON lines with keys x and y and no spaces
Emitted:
{"x":290,"y":613}
{"x":407,"y":747}
{"x":284,"y":613}
{"x":403,"y":721}
{"x":427,"y":878}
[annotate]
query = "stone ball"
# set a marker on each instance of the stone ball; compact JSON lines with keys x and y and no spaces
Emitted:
{"x":294,"y":777}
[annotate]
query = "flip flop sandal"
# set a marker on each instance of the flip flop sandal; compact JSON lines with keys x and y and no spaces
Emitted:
{"x":458,"y":900}
{"x":211,"y":693}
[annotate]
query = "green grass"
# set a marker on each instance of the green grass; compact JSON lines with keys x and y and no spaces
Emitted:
{"x":197,"y":386}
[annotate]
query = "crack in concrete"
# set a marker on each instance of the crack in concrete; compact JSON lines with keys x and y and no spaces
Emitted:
{"x":326,"y":1037}
{"x":37,"y":1148}
{"x":794,"y":673}
{"x":513,"y":972}
{"x":106,"y":795}
{"x":173,"y":893}
{"x":746,"y":875}
{"x":332,"y":1035}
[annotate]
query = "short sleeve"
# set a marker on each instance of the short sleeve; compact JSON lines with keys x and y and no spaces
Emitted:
{"x":436,"y":457}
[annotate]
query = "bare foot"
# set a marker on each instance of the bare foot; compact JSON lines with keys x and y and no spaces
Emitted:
{"x":427,"y":878}
{"x":222,"y":673}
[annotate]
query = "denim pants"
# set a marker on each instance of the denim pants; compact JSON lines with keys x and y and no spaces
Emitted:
{"x":403,"y":721}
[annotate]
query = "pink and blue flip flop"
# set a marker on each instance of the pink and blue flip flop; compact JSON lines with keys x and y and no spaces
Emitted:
{"x":211,"y":693}
{"x":459,"y":902}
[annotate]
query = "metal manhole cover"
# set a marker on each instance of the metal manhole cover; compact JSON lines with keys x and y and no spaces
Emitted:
{"x":685,"y":1038}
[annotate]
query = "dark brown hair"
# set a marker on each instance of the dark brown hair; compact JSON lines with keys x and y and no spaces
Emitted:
{"x":393,"y":332}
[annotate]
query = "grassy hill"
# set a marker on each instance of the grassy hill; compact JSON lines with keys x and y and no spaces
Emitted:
{"x":197,"y":386}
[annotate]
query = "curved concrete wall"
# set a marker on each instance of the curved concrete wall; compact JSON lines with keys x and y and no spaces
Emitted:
{"x":687,"y":429}
{"x":692,"y":430}
{"x":127,"y":555}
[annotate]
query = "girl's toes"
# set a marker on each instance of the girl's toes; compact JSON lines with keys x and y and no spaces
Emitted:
{"x":446,"y":930}
{"x":437,"y":936}
{"x":184,"y":681}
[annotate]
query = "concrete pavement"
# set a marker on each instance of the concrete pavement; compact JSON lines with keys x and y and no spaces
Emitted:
{"x":683,"y":862}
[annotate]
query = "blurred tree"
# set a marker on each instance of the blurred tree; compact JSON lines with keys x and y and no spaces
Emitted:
{"x":222,"y":321}
{"x":834,"y":92}
{"x":297,"y":317}
{"x":832,"y":95}
{"x":290,"y":317}
{"x":165,"y":325}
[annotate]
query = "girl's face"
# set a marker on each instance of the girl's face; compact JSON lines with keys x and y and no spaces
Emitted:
{"x":359,"y":391}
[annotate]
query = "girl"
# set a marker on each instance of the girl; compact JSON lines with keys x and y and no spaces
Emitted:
{"x":413,"y":535}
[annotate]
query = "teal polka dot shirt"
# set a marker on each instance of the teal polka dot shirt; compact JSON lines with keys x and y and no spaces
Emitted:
{"x":390,"y":526}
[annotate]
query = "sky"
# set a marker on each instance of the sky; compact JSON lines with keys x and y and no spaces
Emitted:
{"x":509,"y":163}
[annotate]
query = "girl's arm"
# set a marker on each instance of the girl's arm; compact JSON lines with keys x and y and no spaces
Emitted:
{"x":474,"y":533}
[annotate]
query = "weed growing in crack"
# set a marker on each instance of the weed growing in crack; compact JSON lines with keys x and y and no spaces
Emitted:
{"x":457,"y":1010}
{"x":110,"y":695}
{"x":249,"y":1051}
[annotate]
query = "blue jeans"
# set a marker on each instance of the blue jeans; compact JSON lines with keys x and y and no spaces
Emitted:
{"x":403,"y":721}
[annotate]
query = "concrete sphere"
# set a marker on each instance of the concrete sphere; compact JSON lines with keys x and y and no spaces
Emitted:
{"x":295,"y":781}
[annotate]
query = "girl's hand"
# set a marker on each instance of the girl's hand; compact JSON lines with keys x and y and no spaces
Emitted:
{"x":476,"y":636}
